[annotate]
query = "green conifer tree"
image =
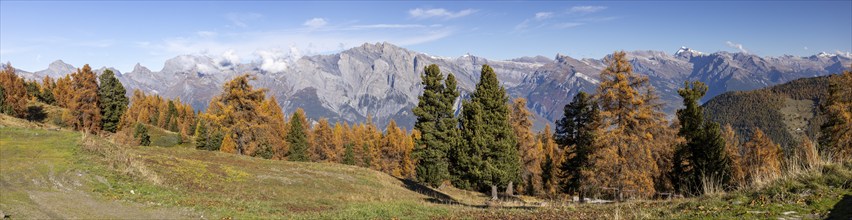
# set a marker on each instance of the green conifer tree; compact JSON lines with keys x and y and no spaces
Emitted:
{"x":576,"y":132}
{"x":349,"y":155}
{"x":489,"y":156}
{"x":142,"y":134}
{"x":113,"y":100}
{"x":438,"y":126}
{"x":703,"y":155}
{"x":297,"y":138}
{"x":201,"y":136}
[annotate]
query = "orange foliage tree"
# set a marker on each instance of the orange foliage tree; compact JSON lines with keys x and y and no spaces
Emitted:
{"x":762,"y":157}
{"x":529,"y":149}
{"x":14,"y":93}
{"x":630,"y":116}
{"x":239,"y":114}
{"x":84,"y":101}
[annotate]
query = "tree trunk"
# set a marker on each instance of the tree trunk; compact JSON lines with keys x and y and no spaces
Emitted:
{"x":510,"y":190}
{"x":494,"y":192}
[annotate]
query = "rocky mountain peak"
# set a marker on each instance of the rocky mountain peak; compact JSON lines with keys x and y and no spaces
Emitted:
{"x":382,"y":80}
{"x":139,"y":68}
{"x":57,"y":69}
{"x":101,"y":70}
{"x":60,"y":65}
{"x":686,"y":52}
{"x":536,"y":59}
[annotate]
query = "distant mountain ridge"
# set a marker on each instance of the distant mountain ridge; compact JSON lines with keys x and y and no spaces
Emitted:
{"x":382,"y":80}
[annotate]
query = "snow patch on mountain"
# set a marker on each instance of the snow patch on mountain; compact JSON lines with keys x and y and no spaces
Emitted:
{"x":587,"y":78}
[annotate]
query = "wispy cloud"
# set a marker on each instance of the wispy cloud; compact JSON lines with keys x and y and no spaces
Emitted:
{"x":386,"y":26}
{"x":315,"y":22}
{"x":736,"y":46}
{"x":242,"y":19}
{"x":585,"y":9}
{"x":543,"y":15}
{"x":572,"y":17}
{"x":567,"y":25}
{"x":421,"y":13}
{"x":598,"y":19}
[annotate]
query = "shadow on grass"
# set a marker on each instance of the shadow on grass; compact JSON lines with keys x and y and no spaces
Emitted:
{"x":435,"y":196}
{"x":843,"y":209}
{"x":439,"y":197}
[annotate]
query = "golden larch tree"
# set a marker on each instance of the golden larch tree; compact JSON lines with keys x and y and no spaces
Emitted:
{"x":279,"y":126}
{"x":551,"y":158}
{"x":734,"y":151}
{"x":837,"y":131}
{"x":625,"y":161}
{"x":762,"y":157}
{"x":323,"y":148}
{"x":84,"y":100}
{"x":392,"y":149}
{"x":529,"y":149}
{"x":14,"y":100}
{"x":62,"y":93}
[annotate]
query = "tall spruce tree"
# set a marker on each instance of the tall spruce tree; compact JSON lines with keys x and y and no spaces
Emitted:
{"x":113,"y":101}
{"x":703,"y":155}
{"x":349,"y":154}
{"x":438,"y":126}
{"x":171,"y":116}
{"x":297,"y":138}
{"x":202,"y":137}
{"x":489,"y":156}
{"x":141,"y":133}
{"x":576,"y":132}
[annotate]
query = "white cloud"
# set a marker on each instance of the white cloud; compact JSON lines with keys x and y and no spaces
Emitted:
{"x":806,"y":48}
{"x":242,"y":19}
{"x":228,"y":59}
{"x":276,"y":60}
{"x":543,"y":15}
{"x":315,"y":22}
{"x":232,"y":47}
{"x":585,"y":9}
{"x":567,"y":25}
{"x":421,"y":13}
{"x":736,"y":46}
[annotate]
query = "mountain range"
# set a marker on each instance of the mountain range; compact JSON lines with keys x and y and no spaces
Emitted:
{"x":382,"y":80}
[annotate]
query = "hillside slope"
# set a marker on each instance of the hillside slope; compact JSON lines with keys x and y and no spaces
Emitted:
{"x":61,"y":174}
{"x":795,"y":104}
{"x":52,"y":173}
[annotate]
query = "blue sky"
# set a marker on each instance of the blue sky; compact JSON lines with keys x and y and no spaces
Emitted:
{"x":120,"y":34}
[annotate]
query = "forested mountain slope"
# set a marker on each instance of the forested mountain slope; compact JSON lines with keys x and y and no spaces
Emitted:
{"x":796,"y":104}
